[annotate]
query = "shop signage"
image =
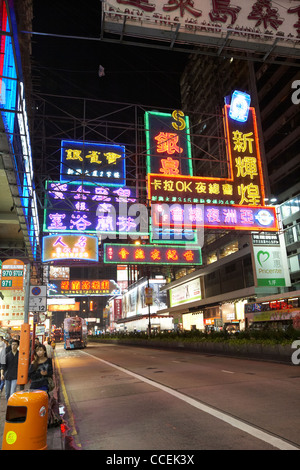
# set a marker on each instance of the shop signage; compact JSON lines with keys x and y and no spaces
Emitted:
{"x":92,"y":162}
{"x":244,"y":185}
{"x":64,"y":308}
{"x":193,"y":216}
{"x":168,"y":143}
{"x":270,"y":268}
{"x":83,"y":287}
{"x":89,"y":208}
{"x":12,"y":274}
{"x":270,"y":261}
{"x":151,"y":254}
{"x":67,"y":246}
{"x":12,"y":306}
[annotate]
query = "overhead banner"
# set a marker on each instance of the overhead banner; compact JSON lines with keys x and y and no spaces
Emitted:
{"x":67,"y":246}
{"x":247,"y":25}
{"x":92,"y":161}
{"x":151,"y":254}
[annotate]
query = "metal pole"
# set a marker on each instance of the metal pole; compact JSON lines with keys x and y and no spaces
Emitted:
{"x":27,"y":292}
{"x":149,"y":306}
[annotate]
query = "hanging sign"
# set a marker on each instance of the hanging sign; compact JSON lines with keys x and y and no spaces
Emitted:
{"x":70,"y":246}
{"x":12,"y":274}
{"x":92,"y":162}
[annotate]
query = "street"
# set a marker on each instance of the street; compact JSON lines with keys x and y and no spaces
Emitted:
{"x":132,"y":398}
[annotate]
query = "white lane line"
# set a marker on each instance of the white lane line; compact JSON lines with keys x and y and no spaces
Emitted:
{"x":228,"y":371}
{"x":257,"y":433}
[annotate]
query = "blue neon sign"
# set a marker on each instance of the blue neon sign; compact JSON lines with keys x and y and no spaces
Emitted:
{"x":239,"y":107}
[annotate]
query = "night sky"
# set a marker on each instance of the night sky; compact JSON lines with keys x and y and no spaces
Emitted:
{"x":70,"y":67}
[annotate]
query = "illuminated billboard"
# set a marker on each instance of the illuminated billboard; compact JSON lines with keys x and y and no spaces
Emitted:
{"x":244,"y":185}
{"x":168,"y":143}
{"x":93,"y":162}
{"x":67,"y":246}
{"x":83,"y":287}
{"x":76,"y":207}
{"x":151,"y":254}
{"x":193,"y":216}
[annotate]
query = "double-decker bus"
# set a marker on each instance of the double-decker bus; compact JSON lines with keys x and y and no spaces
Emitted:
{"x":75,"y":333}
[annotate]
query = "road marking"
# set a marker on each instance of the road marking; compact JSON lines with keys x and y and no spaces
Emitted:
{"x":228,"y":371}
{"x":255,"y":432}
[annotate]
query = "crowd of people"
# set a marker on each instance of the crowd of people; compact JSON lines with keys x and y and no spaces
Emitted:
{"x":40,"y":371}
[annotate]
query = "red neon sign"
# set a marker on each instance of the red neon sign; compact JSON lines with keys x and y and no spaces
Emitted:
{"x":244,"y":185}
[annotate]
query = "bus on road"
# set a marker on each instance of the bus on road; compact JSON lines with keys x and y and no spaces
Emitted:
{"x":75,"y":333}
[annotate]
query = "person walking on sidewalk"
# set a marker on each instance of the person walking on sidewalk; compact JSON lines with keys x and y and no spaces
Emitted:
{"x":11,"y":369}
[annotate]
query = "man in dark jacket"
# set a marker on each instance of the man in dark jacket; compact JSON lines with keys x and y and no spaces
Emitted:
{"x":11,"y":369}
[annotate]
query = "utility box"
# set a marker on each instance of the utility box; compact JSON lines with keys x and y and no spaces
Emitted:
{"x":26,"y":421}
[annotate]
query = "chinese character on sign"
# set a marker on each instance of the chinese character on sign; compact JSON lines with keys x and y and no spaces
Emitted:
{"x":73,"y":154}
{"x":155,"y":255}
{"x":263,"y":13}
{"x":169,"y":166}
{"x":167,"y":142}
{"x":242,"y":141}
{"x":94,"y":156}
{"x":221,"y":9}
{"x":172,"y":255}
{"x":297,"y":24}
{"x":112,"y":157}
{"x":123,"y":253}
{"x":79,"y":222}
{"x":249,"y":194}
{"x":56,"y":223}
{"x":139,"y":254}
{"x":246,"y":166}
{"x":182,"y":5}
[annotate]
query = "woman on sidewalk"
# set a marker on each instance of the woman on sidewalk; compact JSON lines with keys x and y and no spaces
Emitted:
{"x":40,"y":369}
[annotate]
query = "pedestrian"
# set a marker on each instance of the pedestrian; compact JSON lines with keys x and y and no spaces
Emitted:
{"x":40,"y":369}
{"x":50,"y":352}
{"x":2,"y":362}
{"x":11,"y":369}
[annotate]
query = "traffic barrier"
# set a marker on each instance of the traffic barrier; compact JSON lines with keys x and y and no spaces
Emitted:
{"x":26,"y":421}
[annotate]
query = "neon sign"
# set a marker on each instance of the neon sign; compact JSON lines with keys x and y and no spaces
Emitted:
{"x":151,"y":254}
{"x":193,"y":216}
{"x":168,"y":143}
{"x":239,"y":107}
{"x":83,"y":287}
{"x":244,"y":186}
{"x":92,"y":161}
{"x":62,"y":247}
{"x":91,"y":208}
